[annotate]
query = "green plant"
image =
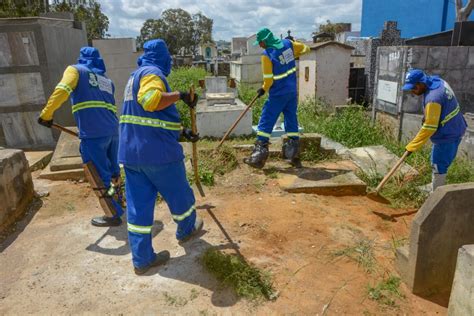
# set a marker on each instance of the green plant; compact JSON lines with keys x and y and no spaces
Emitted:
{"x":181,"y":79}
{"x":175,"y":301}
{"x":386,"y":292}
{"x":233,"y":271}
{"x":246,"y":94}
{"x":362,"y":252}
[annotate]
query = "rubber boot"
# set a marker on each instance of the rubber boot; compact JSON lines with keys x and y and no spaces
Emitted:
{"x":259,"y":155}
{"x":438,"y":180}
{"x":291,"y":152}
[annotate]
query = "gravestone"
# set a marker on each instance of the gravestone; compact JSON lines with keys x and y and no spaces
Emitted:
{"x":442,"y":225}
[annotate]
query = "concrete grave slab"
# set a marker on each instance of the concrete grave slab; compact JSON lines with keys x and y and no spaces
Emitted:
{"x":461,"y":301}
{"x":16,"y":186}
{"x":442,"y":225}
{"x":66,"y":155}
{"x":62,"y":175}
{"x":38,"y":159}
{"x":378,"y":159}
{"x":220,"y":98}
{"x":339,"y":180}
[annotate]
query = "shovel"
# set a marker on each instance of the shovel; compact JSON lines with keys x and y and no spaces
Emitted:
{"x":375,"y":194}
{"x":65,"y":130}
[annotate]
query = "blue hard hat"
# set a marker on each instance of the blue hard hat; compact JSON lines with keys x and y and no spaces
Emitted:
{"x":413,"y":77}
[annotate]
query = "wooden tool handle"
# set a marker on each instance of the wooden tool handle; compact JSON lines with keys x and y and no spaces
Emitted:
{"x":65,"y":130}
{"x":391,"y":172}
{"x":195,"y":152}
{"x":237,"y":122}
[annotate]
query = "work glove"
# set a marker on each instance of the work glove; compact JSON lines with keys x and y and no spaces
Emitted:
{"x":45,"y":123}
{"x":186,"y":98}
{"x":260,"y":92}
{"x":189,"y":135}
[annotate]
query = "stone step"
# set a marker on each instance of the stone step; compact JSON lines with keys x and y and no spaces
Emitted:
{"x":72,"y":174}
{"x":327,"y":178}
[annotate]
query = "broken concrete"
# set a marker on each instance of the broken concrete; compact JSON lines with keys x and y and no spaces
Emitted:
{"x":442,"y":225}
{"x":38,"y":159}
{"x":16,"y":186}
{"x":336,"y":180}
{"x":378,"y":159}
{"x":461,"y":301}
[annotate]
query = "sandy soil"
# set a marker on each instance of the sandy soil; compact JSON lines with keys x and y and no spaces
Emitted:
{"x":55,"y":262}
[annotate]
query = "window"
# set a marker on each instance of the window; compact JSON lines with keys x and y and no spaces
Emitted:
{"x":306,"y":74}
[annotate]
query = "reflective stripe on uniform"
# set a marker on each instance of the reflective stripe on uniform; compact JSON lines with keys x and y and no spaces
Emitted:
{"x":64,"y":87}
{"x":183,"y":216}
{"x":430,"y":127}
{"x":267,"y":76}
{"x":293,"y":134}
{"x":93,"y":104}
{"x":146,"y":121}
{"x":284,"y":75}
{"x":450,"y":116}
{"x":260,"y":133}
{"x":147,"y":98}
{"x":139,"y":229}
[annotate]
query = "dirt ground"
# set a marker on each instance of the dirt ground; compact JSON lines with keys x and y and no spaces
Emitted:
{"x":55,"y":262}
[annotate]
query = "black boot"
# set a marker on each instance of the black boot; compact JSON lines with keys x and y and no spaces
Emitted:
{"x":291,"y":152}
{"x":104,"y":221}
{"x":259,"y":155}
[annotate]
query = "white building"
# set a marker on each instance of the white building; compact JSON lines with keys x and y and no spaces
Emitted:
{"x":248,"y":69}
{"x":208,"y":51}
{"x":324,"y":72}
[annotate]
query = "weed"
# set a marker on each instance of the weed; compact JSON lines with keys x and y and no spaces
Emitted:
{"x":175,"y":301}
{"x":181,"y":79}
{"x":246,"y":94}
{"x":272,"y":173}
{"x":70,"y":207}
{"x":194,"y":294}
{"x":362,"y":252}
{"x":247,"y":281}
{"x":386,"y":292}
{"x":397,"y":243}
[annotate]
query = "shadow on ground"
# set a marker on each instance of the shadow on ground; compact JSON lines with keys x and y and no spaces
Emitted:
{"x":120,"y":234}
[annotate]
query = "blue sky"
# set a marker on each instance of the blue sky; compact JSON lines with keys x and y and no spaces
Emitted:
{"x":237,"y":17}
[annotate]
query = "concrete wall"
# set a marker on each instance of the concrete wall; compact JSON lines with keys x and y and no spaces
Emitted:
{"x":461,"y":301}
{"x":442,"y":225}
{"x":33,"y":55}
{"x":453,"y":64}
{"x":16,"y":186}
{"x":239,"y":45}
{"x":247,"y":70}
{"x":120,"y":56}
{"x":329,"y":69}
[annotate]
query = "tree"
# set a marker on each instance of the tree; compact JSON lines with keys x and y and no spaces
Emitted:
{"x":88,"y":11}
{"x":21,"y":8}
{"x":182,"y":31}
{"x":463,"y":13}
{"x":332,"y":28}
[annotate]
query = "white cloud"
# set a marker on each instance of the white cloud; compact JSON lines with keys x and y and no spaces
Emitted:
{"x":238,"y":17}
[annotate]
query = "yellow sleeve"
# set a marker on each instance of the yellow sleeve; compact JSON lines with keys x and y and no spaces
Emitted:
{"x":149,"y":94}
{"x":267,"y":70}
{"x":299,"y":49}
{"x":61,"y":93}
{"x":432,"y":115}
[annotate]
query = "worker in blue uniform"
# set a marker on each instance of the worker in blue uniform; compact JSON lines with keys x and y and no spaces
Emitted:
{"x":153,"y":159}
{"x":279,"y":80}
{"x":443,"y":122}
{"x":94,"y":110}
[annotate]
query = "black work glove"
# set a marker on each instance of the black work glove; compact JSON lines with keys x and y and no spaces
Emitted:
{"x":260,"y":92}
{"x":45,"y":123}
{"x":189,"y":135}
{"x":186,"y":97}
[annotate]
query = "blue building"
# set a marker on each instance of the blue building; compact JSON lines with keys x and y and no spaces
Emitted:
{"x":415,"y":17}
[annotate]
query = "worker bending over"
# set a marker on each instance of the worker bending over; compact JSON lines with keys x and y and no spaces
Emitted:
{"x":443,"y":122}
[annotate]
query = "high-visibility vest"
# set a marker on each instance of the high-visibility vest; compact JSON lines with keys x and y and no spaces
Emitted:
{"x":148,"y":138}
{"x":93,"y":104}
{"x":452,"y":124}
{"x":284,"y":69}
